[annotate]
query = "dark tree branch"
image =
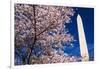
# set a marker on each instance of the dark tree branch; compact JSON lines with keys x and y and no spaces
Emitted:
{"x":35,"y":38}
{"x":44,"y":30}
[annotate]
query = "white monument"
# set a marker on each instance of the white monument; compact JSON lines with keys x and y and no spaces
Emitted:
{"x":82,"y":40}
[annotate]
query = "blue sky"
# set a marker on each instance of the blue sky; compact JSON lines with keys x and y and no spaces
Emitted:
{"x":87,"y":15}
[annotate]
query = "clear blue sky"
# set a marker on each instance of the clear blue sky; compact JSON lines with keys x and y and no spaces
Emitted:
{"x":87,"y":15}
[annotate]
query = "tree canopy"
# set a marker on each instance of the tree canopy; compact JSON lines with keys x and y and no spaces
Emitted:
{"x":40,"y":34}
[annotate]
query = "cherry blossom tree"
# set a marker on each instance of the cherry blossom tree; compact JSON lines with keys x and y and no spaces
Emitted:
{"x":40,"y":34}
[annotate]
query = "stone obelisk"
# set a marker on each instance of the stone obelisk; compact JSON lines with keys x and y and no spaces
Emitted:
{"x":82,"y":40}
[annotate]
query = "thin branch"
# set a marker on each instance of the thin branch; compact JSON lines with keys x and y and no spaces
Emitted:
{"x":44,"y":30}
